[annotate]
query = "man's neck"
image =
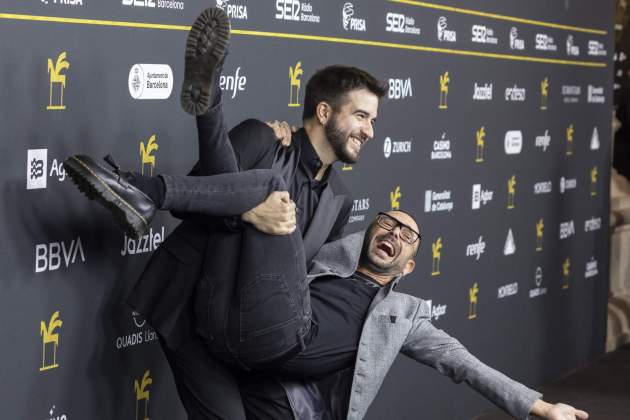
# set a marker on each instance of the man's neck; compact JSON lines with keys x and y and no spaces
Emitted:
{"x":317,"y":137}
{"x":379,"y":278}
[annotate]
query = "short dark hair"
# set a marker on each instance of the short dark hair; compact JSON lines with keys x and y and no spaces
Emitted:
{"x":332,"y":83}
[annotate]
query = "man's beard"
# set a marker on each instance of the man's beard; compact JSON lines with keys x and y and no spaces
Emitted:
{"x":338,"y":140}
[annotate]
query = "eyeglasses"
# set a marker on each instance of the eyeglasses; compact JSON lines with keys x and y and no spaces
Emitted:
{"x":389,"y":223}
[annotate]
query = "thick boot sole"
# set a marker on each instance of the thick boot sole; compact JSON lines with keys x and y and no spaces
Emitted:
{"x":94,"y":188}
{"x":206,"y":46}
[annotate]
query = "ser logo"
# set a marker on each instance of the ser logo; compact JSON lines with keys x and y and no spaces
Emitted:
{"x":401,"y":24}
{"x":483,"y":35}
{"x":54,"y":255}
{"x":160,"y":4}
{"x":296,"y":11}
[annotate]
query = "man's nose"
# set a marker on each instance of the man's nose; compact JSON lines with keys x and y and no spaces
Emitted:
{"x":368,"y":130}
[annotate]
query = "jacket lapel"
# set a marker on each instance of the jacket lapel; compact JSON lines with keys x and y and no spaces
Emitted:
{"x":323,"y":221}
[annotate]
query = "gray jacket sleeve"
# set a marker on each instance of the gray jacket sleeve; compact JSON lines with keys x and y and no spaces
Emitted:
{"x":433,"y":347}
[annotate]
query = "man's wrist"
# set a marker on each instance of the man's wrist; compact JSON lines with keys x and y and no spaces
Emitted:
{"x":541,"y":408}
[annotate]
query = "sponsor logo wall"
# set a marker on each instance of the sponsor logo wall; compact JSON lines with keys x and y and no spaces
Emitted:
{"x":494,"y":133}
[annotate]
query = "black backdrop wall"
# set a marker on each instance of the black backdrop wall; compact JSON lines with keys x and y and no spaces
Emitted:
{"x":495,"y":134}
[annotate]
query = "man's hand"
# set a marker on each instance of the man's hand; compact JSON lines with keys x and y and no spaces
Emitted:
{"x":282,"y":130}
{"x":557,"y":411}
{"x":274,"y":216}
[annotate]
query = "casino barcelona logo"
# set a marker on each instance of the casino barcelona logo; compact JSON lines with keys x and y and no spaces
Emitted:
{"x":142,"y":394}
{"x":295,"y":73}
{"x":436,"y":249}
{"x":480,"y":141}
{"x":444,"y":81}
{"x":472,"y":296}
{"x":57,"y":79}
{"x":146,"y":155}
{"x":50,"y":338}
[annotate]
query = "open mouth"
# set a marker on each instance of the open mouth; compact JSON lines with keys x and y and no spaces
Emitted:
{"x":387,"y":247}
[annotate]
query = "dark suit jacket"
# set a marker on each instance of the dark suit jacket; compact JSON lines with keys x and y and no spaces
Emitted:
{"x":205,"y":246}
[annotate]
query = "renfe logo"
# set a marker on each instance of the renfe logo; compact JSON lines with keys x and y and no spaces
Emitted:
{"x":513,"y":142}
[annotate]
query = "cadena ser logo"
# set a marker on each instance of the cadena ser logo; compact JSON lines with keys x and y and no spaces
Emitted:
{"x":37,"y":169}
{"x":150,"y":81}
{"x":472,"y":297}
{"x":160,"y":4}
{"x":57,"y":82}
{"x":402,"y":24}
{"x":146,"y":154}
{"x":55,"y":255}
{"x":394,"y":198}
{"x":295,"y":75}
{"x":444,"y":82}
{"x":49,"y":331}
{"x":515,"y":42}
{"x":513,"y":142}
{"x":400,"y":89}
{"x":436,"y":256}
{"x":141,"y":387}
{"x":295,"y":11}
{"x":544,"y":94}
{"x":443,"y":33}
{"x":234,"y":11}
{"x":483,"y":35}
{"x":349,"y":21}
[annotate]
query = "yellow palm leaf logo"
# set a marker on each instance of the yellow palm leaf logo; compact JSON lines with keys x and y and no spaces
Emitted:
{"x":444,"y":81}
{"x":544,"y":93}
{"x":539,"y":234}
{"x":294,"y":77}
{"x":566,"y":271}
{"x":570,"y":131}
{"x":511,"y":186}
{"x":57,"y":78}
{"x":142,"y":393}
{"x":481,"y":144}
{"x":436,"y":248}
{"x":49,"y":336}
{"x":394,"y":198}
{"x":594,"y":176}
{"x":146,"y":153}
{"x":472,"y":295}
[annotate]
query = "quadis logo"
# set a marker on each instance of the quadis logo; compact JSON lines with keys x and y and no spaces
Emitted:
{"x":400,"y":88}
{"x":146,"y":243}
{"x":359,"y":209}
{"x":390,"y":147}
{"x":591,"y":268}
{"x":545,"y":42}
{"x":55,"y":255}
{"x":138,"y":337}
{"x":150,"y":81}
{"x":515,"y":42}
{"x":441,"y":148}
{"x":436,"y":311}
{"x":480,"y":196}
{"x":543,"y":141}
{"x":482,"y":93}
{"x":596,"y":48}
{"x":538,"y":279}
{"x":443,"y":33}
{"x":161,"y":4}
{"x":507,"y":290}
{"x":401,"y":24}
{"x":572,"y":49}
{"x":349,"y":22}
{"x":233,"y":83}
{"x":483,"y":35}
{"x":296,"y":11}
{"x":476,"y":249}
{"x":596,"y":95}
{"x":234,"y":11}
{"x":437,"y":201}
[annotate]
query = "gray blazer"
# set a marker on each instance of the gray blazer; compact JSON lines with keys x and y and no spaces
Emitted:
{"x":400,"y":323}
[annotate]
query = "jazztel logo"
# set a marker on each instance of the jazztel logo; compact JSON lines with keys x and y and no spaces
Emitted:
{"x":50,"y":337}
{"x":234,"y":84}
{"x":146,"y":153}
{"x":595,"y":139}
{"x":51,"y":256}
{"x":161,"y":4}
{"x":507,"y":290}
{"x":571,"y":94}
{"x":513,"y":142}
{"x":515,"y":42}
{"x":483,"y":35}
{"x":234,"y":11}
{"x":441,"y":148}
{"x":476,"y":249}
{"x":591,"y":268}
{"x":543,"y":141}
{"x":570,"y":133}
{"x":544,"y":187}
{"x":147,"y":243}
{"x":436,"y":257}
{"x":142,"y":394}
{"x":472,"y":296}
{"x":436,"y":311}
{"x":443,"y":33}
{"x":511,"y":187}
{"x":361,"y":205}
{"x":482,"y":93}
{"x":538,"y":290}
{"x":480,"y":141}
{"x":394,"y":198}
{"x":593,"y":224}
{"x":596,"y":48}
{"x":390,"y":147}
{"x":400,"y":88}
{"x":540,"y":226}
{"x":567,"y":229}
{"x":401,"y":24}
{"x":296,"y":11}
{"x":295,"y":73}
{"x":57,"y":78}
{"x":566,"y":273}
{"x":544,"y":94}
{"x":596,"y":95}
{"x":594,"y":176}
{"x":435,"y":201}
{"x":567,"y":184}
{"x":515,"y":94}
{"x":444,"y":81}
{"x":572,"y":49}
{"x":545,"y":43}
{"x":510,"y":246}
{"x":150,"y":81}
{"x":349,"y":22}
{"x":480,"y":196}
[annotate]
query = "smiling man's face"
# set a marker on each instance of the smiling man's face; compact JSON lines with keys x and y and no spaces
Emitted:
{"x":384,"y":252}
{"x":351,"y":126}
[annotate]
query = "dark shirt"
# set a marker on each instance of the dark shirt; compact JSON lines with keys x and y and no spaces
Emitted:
{"x":339,"y":306}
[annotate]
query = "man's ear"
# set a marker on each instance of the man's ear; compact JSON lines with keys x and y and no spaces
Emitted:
{"x":323,"y":111}
{"x":411,"y":264}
